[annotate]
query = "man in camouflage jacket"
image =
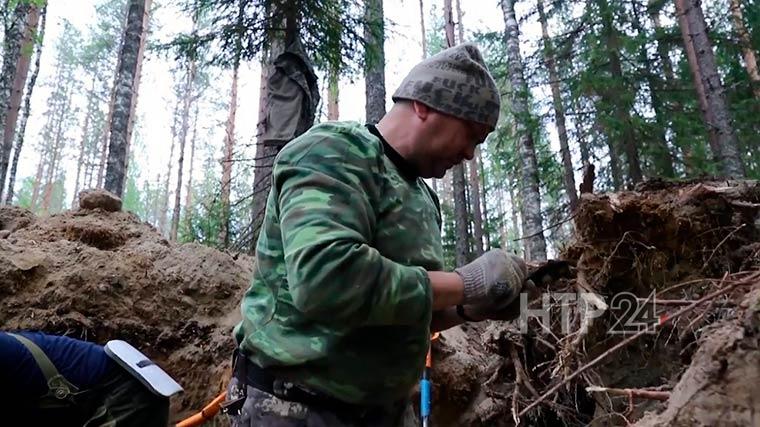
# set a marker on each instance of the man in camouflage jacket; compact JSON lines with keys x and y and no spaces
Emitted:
{"x":348,"y":281}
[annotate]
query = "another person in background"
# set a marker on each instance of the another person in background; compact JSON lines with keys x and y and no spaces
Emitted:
{"x":50,"y":380}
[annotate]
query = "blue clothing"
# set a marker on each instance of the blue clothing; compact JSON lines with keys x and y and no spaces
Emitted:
{"x":82,"y":363}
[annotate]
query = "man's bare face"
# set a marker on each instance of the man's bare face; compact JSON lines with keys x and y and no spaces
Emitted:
{"x":450,"y":141}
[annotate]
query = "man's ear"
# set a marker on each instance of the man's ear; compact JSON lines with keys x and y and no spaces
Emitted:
{"x":421,"y":110}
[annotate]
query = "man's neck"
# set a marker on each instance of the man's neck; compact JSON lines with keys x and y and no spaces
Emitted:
{"x":396,"y":135}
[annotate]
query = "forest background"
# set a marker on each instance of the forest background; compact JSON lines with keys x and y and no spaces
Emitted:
{"x":163,"y":102}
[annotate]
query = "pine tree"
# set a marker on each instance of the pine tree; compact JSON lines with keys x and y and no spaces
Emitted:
{"x":559,"y":108}
{"x":705,"y":72}
{"x":374,"y":68}
{"x":124,"y":96}
{"x":229,"y":148}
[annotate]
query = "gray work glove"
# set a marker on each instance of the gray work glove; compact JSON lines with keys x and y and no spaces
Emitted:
{"x":494,"y":279}
{"x":505,"y":311}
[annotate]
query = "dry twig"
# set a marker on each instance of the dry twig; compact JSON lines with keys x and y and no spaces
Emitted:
{"x":632,"y":392}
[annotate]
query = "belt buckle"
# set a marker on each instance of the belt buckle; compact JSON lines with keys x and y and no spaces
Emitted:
{"x":233,"y":407}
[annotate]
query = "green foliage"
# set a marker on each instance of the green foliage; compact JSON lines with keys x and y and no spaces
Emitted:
{"x":206,"y":212}
{"x":242,"y":30}
{"x":24,"y":194}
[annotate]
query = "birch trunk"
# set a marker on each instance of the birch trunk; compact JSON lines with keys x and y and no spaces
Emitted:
{"x":529,"y":193}
{"x":27,"y":106}
{"x":9,"y":77}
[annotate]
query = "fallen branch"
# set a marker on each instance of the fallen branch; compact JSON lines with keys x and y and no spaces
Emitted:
{"x":632,"y":392}
{"x":625,"y":342}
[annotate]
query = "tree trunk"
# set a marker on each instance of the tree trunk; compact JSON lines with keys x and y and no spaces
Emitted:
{"x":621,"y":110}
{"x":460,"y":27}
{"x":477,"y":212}
{"x":229,"y":144}
{"x":704,"y":69}
{"x":56,"y":153}
{"x":422,"y":29}
{"x":448,"y":20}
{"x":124,"y":94}
{"x":9,"y":78}
{"x":661,"y":157}
{"x":83,"y":144}
{"x":374,"y":69}
{"x":187,"y":101}
{"x":529,"y":193}
{"x":138,"y":75}
{"x":691,"y":55}
{"x":461,"y":215}
{"x":165,"y":194}
{"x":559,"y":110}
{"x":615,"y":170}
{"x":580,"y":133}
{"x":189,"y":193}
{"x":333,"y":95}
{"x":473,"y":169}
{"x":750,"y":61}
{"x":27,"y":106}
{"x":483,"y":199}
{"x":262,"y":166}
{"x":17,"y":90}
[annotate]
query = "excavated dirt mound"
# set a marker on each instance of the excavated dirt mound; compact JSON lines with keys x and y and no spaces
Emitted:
{"x":682,"y":241}
{"x":99,"y":275}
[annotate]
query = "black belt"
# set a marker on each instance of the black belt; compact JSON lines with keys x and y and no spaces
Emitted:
{"x":264,"y":380}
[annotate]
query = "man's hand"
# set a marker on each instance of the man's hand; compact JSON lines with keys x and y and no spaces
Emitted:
{"x":496,"y":311}
{"x":494,"y":279}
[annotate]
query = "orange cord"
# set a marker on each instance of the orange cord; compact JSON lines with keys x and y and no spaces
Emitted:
{"x":207,"y":413}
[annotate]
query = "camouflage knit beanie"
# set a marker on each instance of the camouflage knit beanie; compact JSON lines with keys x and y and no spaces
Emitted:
{"x":456,"y":81}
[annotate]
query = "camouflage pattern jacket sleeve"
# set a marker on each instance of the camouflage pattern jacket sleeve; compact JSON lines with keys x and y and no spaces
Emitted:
{"x":341,"y":277}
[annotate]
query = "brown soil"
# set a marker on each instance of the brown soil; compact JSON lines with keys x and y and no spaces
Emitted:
{"x":99,"y":275}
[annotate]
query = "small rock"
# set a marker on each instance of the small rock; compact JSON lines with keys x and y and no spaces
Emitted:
{"x":4,"y":234}
{"x":92,"y":199}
